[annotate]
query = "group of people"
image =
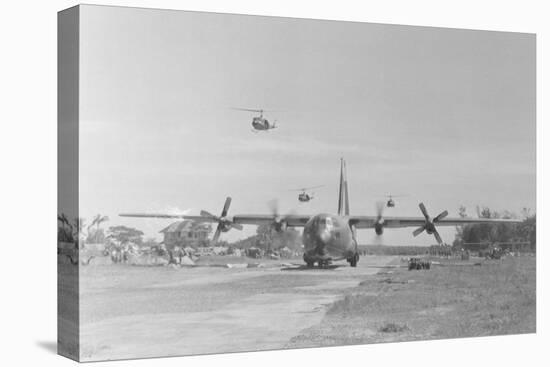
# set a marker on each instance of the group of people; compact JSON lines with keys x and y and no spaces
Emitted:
{"x":120,"y":252}
{"x":177,"y":254}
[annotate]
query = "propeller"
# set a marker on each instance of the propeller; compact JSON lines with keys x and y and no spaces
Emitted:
{"x":429,"y":225}
{"x":307,"y":188}
{"x":248,"y":109}
{"x":279,"y":221}
{"x":257,"y":110}
{"x":224,"y":223}
{"x":379,"y":223}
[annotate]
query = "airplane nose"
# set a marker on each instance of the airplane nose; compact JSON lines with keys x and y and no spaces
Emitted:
{"x":324,"y":235}
{"x":323,"y":240}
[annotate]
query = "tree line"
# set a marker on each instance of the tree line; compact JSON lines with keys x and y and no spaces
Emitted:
{"x":509,"y":233}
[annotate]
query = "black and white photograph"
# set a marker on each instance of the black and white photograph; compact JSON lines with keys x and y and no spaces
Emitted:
{"x":229,"y":182}
{"x":253,"y":183}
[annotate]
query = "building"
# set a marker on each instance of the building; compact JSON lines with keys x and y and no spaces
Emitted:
{"x":186,"y":233}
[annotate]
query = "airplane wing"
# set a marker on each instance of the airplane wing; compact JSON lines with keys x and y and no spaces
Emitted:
{"x":259,"y":219}
{"x":251,"y":219}
{"x":359,"y":221}
{"x":166,"y":216}
{"x":402,"y":222}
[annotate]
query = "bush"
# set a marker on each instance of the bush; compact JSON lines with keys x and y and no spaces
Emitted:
{"x":391,"y":327}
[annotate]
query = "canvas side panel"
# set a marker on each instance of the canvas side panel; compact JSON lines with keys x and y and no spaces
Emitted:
{"x":67,"y":183}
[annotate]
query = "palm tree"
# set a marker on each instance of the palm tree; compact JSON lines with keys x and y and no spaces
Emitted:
{"x":98,"y":219}
{"x":79,"y":224}
{"x":88,"y":229}
{"x":63,"y":219}
{"x":65,"y":234}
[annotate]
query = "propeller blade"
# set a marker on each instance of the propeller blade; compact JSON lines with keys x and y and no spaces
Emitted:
{"x":418,"y":231}
{"x":438,"y":237}
{"x":278,"y":219}
{"x":379,"y":210}
{"x":274,"y":207}
{"x":204,"y":213}
{"x":423,"y":210}
{"x":237,"y":226}
{"x":217,"y":234}
{"x":226,"y":206}
{"x":441,"y":216}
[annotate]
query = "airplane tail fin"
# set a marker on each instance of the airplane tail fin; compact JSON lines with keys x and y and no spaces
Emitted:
{"x":343,"y":199}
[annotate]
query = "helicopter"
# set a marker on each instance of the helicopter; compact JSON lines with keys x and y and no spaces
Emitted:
{"x":304,"y":196}
{"x":391,"y":203}
{"x":259,"y":123}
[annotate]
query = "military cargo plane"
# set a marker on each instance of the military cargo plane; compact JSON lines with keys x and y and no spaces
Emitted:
{"x":328,"y":237}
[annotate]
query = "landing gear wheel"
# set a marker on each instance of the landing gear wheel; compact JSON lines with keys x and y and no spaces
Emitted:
{"x":353,"y":261}
{"x":323,"y":264}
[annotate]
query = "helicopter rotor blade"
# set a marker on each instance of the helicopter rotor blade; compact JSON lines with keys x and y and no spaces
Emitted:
{"x":307,"y":188}
{"x":257,"y":110}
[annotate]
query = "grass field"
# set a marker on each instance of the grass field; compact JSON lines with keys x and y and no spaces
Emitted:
{"x":449,"y":301}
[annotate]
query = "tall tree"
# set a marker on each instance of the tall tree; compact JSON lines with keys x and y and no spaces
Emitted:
{"x":124,"y":235}
{"x":97,"y":235}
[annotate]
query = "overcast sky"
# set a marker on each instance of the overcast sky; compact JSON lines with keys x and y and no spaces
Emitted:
{"x":445,"y":116}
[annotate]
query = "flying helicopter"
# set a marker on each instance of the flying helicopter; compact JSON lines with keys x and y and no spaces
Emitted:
{"x":304,"y":196}
{"x":259,"y":123}
{"x":391,"y":203}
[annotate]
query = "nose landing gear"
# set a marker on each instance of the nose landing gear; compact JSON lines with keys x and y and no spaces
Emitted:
{"x":353,"y":260}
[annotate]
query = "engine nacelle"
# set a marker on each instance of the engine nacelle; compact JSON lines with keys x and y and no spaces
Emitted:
{"x":379,"y":228}
{"x":430,"y":227}
{"x":225,"y":225}
{"x":280,"y":226}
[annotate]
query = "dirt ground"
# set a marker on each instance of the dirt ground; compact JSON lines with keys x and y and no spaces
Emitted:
{"x":136,"y":312}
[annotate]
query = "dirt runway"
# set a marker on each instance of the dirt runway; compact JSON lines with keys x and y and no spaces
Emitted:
{"x":138,"y":312}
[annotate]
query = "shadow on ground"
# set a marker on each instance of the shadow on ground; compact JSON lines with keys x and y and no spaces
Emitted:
{"x":305,"y":267}
{"x":48,"y":345}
